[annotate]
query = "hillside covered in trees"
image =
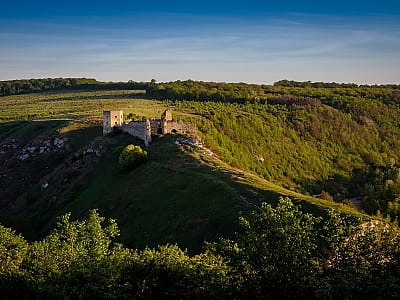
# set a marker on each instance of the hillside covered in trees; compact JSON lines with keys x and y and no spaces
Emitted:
{"x":336,"y":142}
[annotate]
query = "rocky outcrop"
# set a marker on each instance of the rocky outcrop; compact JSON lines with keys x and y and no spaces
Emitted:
{"x":42,"y":146}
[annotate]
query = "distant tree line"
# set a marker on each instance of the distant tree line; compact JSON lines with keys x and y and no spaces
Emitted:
{"x":13,"y":87}
{"x":328,"y":93}
{"x":307,"y":84}
{"x":337,"y":95}
{"x":205,"y":91}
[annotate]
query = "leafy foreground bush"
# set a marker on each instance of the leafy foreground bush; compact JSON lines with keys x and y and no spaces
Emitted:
{"x":79,"y":260}
{"x":281,"y":253}
{"x":130,"y":157}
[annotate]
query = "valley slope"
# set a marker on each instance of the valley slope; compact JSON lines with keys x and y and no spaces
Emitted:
{"x":182,"y":195}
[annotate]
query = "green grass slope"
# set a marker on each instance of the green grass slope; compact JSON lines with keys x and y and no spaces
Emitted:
{"x":179,"y":196}
{"x":172,"y":198}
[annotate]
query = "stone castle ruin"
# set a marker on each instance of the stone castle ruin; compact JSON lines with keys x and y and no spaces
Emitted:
{"x":145,"y":129}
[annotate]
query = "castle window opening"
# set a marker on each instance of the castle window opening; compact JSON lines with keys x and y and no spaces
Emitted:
{"x":173,"y":131}
{"x":159,"y":130}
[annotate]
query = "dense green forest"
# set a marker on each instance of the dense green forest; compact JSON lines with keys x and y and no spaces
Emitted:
{"x":309,"y":148}
{"x":306,"y":84}
{"x":331,"y":94}
{"x":280,"y":253}
{"x":341,"y":141}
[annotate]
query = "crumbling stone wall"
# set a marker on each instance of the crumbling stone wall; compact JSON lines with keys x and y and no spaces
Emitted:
{"x":139,"y":129}
{"x":175,"y":126}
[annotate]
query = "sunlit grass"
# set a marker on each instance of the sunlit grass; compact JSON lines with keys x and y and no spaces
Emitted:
{"x":75,"y":105}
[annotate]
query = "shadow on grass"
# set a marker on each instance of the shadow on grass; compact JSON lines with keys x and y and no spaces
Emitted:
{"x":26,"y":130}
{"x":23,"y":201}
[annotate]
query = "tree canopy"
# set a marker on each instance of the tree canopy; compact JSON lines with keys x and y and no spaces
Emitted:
{"x":280,"y":253}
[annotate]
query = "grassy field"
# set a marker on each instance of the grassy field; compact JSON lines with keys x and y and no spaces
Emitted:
{"x":75,"y":105}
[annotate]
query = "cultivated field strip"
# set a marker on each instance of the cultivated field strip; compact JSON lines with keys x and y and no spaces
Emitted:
{"x":74,"y":105}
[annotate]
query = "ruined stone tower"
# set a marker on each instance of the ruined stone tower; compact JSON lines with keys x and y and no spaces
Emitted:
{"x":166,"y":117}
{"x":111,"y":119}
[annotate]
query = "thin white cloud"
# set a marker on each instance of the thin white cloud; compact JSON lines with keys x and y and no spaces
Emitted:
{"x":259,"y":51}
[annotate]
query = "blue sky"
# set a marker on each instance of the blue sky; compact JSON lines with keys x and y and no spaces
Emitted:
{"x":240,"y":41}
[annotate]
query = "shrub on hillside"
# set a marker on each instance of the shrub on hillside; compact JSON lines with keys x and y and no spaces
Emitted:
{"x":130,"y":157}
{"x":326,"y":196}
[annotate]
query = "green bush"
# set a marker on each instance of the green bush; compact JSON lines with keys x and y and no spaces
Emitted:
{"x":130,"y":157}
{"x":280,"y":253}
